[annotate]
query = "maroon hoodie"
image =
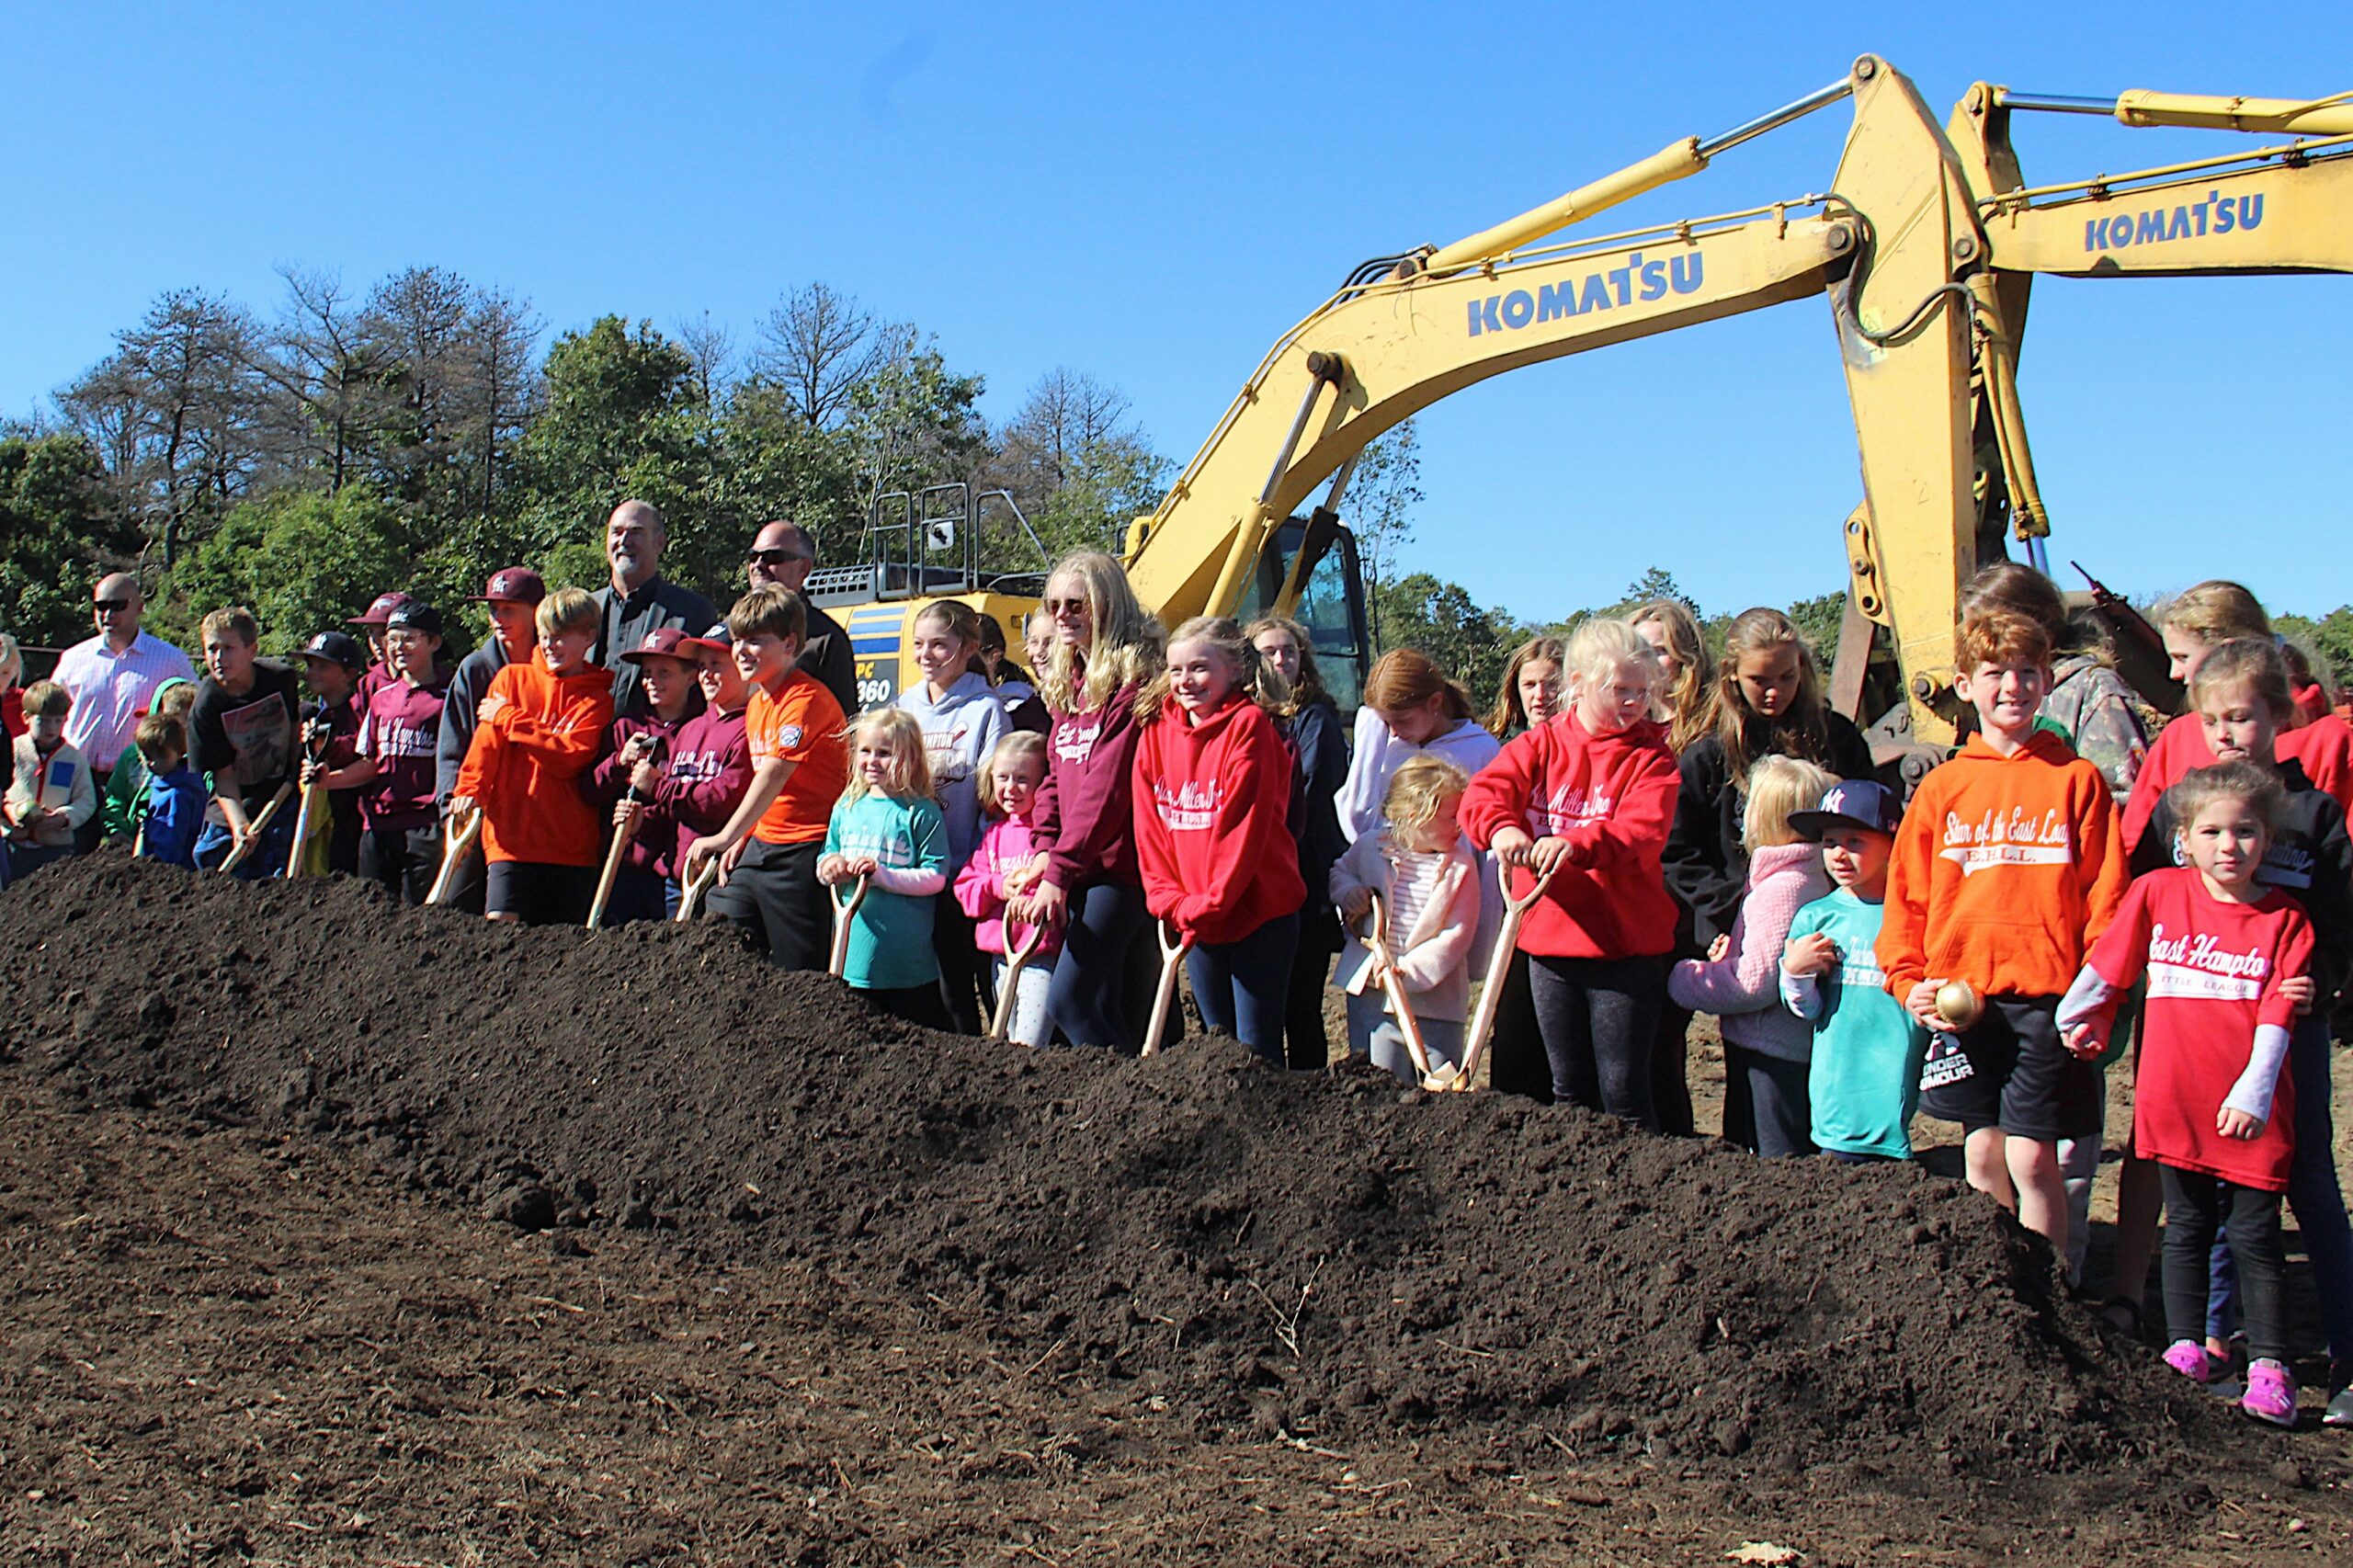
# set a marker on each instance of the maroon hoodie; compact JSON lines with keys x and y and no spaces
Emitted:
{"x":1084,"y":814}
{"x":710,"y":772}
{"x":1213,"y":807}
{"x":655,"y":847}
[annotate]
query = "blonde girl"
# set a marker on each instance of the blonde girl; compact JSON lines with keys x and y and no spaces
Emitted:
{"x":1587,"y":800}
{"x":962,"y":719}
{"x":1428,"y":885}
{"x":1010,"y":785}
{"x":1767,"y":1049}
{"x":1673,"y":632}
{"x":1530,"y":692}
{"x":1212,"y":802}
{"x":1319,"y":748}
{"x":888,"y":829}
{"x":1084,"y":880}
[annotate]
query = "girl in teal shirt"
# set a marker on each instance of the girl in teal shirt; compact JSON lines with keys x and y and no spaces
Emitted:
{"x":888,"y":830}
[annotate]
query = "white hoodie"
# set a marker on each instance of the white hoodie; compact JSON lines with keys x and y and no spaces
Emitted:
{"x":959,"y":732}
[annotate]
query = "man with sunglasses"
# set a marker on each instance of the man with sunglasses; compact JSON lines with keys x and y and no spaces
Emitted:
{"x":112,"y":678}
{"x":780,"y":557}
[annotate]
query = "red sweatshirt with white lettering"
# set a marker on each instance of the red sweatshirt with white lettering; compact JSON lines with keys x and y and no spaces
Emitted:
{"x":1612,"y":797}
{"x":1212,"y":806}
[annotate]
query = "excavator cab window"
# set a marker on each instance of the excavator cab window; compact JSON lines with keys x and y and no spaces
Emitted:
{"x":1331,"y":601}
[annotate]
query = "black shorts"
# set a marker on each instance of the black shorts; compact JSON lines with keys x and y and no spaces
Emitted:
{"x":2020,"y":1078}
{"x":538,"y":894}
{"x":773,"y":895}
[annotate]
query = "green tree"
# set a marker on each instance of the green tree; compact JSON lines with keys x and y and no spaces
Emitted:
{"x":1466,"y":640}
{"x":1382,"y":494}
{"x":301,"y":560}
{"x":1657,"y":583}
{"x":59,"y":531}
{"x":1817,"y":621}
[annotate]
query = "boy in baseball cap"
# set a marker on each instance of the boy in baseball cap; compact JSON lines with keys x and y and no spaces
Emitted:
{"x":1865,"y":1078}
{"x":710,"y":761}
{"x":380,"y":663}
{"x":333,"y":666}
{"x":624,"y":784}
{"x":513,"y":595}
{"x":399,"y":838}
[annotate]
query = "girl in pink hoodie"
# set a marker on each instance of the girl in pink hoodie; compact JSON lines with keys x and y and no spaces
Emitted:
{"x":1213,"y":835}
{"x":1008,"y":787}
{"x":1767,"y":1050}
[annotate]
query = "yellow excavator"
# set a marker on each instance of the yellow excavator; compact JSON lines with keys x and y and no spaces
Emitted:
{"x":1243,"y":529}
{"x":2281,"y":209}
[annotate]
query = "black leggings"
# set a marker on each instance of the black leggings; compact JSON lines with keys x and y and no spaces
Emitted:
{"x":1306,"y":1042}
{"x":961,"y":967}
{"x":2195,"y":1205}
{"x":1598,"y":1018}
{"x":1671,"y":1071}
{"x":1515,"y":1060}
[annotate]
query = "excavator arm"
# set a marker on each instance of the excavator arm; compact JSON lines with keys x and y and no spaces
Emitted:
{"x":1890,"y":244}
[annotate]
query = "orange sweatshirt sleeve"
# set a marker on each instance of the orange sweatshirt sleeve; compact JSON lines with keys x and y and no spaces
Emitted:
{"x":1902,"y":945}
{"x":565,"y":741}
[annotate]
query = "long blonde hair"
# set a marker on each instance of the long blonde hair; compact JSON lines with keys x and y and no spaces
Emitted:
{"x":1778,"y":786}
{"x":2216,"y":611}
{"x":1128,"y":647}
{"x":910,"y":773}
{"x":1745,"y":734}
{"x":1681,"y":705}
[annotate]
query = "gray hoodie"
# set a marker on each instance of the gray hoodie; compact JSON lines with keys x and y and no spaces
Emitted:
{"x":959,"y":732}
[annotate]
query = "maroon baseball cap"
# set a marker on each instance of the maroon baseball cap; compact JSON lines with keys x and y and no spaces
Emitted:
{"x":380,"y":611}
{"x":512,"y":585}
{"x":665,"y":642}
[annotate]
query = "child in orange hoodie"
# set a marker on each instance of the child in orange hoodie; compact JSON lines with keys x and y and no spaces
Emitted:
{"x":1212,"y":804}
{"x":1586,"y":797}
{"x":538,"y":728}
{"x":2009,"y":866}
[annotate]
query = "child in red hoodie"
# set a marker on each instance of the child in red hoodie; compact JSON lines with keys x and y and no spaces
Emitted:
{"x":1213,"y":809}
{"x":1587,"y":797}
{"x":2006,"y":869}
{"x":538,"y":729}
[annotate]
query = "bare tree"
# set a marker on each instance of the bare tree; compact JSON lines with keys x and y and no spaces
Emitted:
{"x":496,"y":387}
{"x":418,"y":320}
{"x":819,"y":345}
{"x":328,"y":373}
{"x":711,"y":346}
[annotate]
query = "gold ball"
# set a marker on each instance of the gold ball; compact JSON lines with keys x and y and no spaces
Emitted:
{"x":1959,"y":1002}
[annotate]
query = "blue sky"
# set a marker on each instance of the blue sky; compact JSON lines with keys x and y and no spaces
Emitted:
{"x":1152,"y":194}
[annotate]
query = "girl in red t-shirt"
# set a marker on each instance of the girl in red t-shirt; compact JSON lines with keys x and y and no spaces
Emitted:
{"x":2227,"y":961}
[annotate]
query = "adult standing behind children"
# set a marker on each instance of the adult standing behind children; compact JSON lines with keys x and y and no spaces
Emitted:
{"x":638,"y":599}
{"x":768,"y":851}
{"x":1086,"y":880}
{"x":112,"y":676}
{"x":1320,"y":751}
{"x":242,"y":731}
{"x":782,"y":555}
{"x":513,"y":596}
{"x":962,"y":721}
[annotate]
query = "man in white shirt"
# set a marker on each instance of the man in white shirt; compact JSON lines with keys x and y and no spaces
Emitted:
{"x":113,"y":676}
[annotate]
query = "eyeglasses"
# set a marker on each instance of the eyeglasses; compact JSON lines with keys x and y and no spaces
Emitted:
{"x":774,"y":557}
{"x":109,"y":606}
{"x":1064,"y":606}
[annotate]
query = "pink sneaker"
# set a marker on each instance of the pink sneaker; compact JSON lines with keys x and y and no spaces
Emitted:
{"x":2190,"y":1358}
{"x":2270,"y":1392}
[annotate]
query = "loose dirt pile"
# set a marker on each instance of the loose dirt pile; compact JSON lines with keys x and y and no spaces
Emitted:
{"x":1320,"y":1257}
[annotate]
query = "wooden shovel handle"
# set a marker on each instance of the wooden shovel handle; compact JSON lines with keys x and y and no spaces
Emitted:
{"x":1016,"y":959}
{"x":691,"y":895}
{"x":302,"y":819}
{"x":457,"y":842}
{"x":621,"y":837}
{"x":844,"y":910}
{"x":1172,"y":959}
{"x":260,"y":825}
{"x":1491,"y":994}
{"x":1407,"y":1024}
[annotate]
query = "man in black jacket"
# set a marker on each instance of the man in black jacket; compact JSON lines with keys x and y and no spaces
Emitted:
{"x":639,"y":599}
{"x":780,"y":557}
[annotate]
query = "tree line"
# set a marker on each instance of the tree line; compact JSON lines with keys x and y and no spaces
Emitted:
{"x":416,"y":434}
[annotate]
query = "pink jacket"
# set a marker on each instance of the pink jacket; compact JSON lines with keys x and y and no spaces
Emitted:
{"x":980,"y":886}
{"x":1744,"y":987}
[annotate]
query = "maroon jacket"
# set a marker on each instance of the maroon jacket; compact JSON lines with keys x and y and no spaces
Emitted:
{"x":1086,"y":813}
{"x":710,"y":774}
{"x":656,"y":845}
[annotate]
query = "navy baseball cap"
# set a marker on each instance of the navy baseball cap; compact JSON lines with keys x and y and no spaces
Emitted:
{"x":1851,"y":802}
{"x":415,"y":616}
{"x":337,"y":647}
{"x":718,"y":640}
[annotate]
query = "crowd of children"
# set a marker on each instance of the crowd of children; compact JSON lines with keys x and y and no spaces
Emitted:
{"x":1684,"y":838}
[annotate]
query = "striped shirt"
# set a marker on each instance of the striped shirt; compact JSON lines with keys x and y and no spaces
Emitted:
{"x":110,"y":690}
{"x":1413,"y":879}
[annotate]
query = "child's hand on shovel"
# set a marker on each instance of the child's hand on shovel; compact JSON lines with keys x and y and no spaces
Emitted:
{"x":626,"y":813}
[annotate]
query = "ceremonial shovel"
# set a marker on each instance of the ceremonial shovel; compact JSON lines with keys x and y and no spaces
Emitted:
{"x":1015,"y":958}
{"x":1172,"y":959}
{"x":1490,"y":995}
{"x":455,"y":847}
{"x":844,"y":910}
{"x":692,"y":893}
{"x":253,"y":831}
{"x":1406,"y":1023}
{"x":621,"y":837}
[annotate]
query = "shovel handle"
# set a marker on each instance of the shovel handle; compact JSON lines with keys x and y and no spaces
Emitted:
{"x":1407,"y":1024}
{"x":302,"y":830}
{"x":1491,"y":994}
{"x":456,"y":845}
{"x":253,"y":830}
{"x":1172,"y":960}
{"x":1016,"y":959}
{"x":691,"y":895}
{"x":845,"y":910}
{"x":621,"y":837}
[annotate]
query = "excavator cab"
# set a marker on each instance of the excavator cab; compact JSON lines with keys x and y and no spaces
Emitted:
{"x":1322,"y":553}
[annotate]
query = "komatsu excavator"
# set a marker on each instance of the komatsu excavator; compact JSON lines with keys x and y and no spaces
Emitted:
{"x":2283,"y":207}
{"x":1243,"y":529}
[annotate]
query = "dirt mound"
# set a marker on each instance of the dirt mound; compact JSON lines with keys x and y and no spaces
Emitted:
{"x":1317,"y":1255}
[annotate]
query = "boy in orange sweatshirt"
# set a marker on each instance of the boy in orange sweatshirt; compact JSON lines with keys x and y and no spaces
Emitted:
{"x":538,"y":729}
{"x":2009,"y":866}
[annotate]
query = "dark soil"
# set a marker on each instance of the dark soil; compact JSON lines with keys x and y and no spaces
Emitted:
{"x":742,"y":1271}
